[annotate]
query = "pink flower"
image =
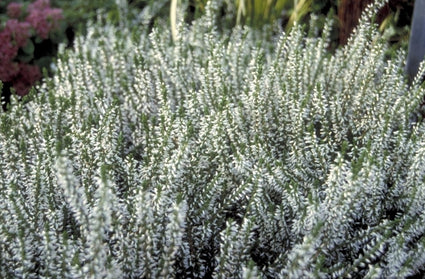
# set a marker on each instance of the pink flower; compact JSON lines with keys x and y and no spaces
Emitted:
{"x":27,"y":76}
{"x":44,"y":21}
{"x":8,"y":50}
{"x":38,"y":21}
{"x":20,"y":31}
{"x":29,"y":73}
{"x":39,"y":5}
{"x":21,"y":88}
{"x":54,"y":16}
{"x":8,"y":71}
{"x":40,"y":17}
{"x":14,"y":10}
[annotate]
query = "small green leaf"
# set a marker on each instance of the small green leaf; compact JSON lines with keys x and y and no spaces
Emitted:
{"x":25,"y":58}
{"x":43,"y":62}
{"x":38,"y":39}
{"x":58,"y":36}
{"x":28,"y":48}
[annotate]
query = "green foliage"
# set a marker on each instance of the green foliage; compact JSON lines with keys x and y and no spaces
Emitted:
{"x":77,"y":13}
{"x":258,"y":13}
{"x":396,"y":26}
{"x":215,"y":156}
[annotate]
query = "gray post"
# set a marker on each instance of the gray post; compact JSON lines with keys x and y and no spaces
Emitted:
{"x":417,"y":40}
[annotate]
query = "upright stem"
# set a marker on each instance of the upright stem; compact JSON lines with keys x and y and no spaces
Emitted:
{"x":173,"y":19}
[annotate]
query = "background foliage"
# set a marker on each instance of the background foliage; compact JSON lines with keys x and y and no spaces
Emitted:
{"x":29,"y":39}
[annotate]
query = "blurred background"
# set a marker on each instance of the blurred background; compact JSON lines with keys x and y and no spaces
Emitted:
{"x":394,"y":18}
{"x":39,"y":51}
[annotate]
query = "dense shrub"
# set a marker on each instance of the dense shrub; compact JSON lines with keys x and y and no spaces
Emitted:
{"x":221,"y":155}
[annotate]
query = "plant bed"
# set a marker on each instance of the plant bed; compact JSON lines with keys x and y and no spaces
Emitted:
{"x":219,"y":155}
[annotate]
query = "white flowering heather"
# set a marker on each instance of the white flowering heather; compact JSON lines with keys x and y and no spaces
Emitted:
{"x":219,"y":155}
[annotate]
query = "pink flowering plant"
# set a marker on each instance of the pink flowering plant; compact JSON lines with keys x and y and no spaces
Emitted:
{"x":28,"y":41}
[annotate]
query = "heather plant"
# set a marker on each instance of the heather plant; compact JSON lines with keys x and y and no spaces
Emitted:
{"x":24,"y":36}
{"x":219,"y":155}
